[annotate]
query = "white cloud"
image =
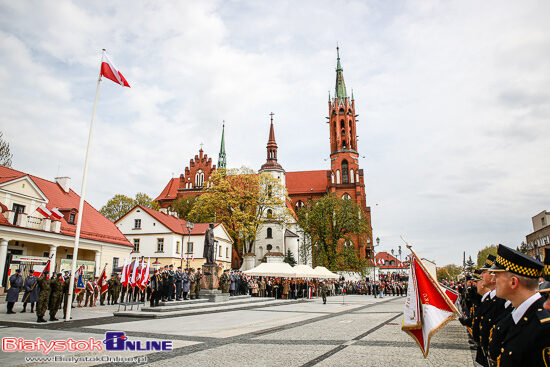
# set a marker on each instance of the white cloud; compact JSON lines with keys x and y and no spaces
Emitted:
{"x":452,"y":98}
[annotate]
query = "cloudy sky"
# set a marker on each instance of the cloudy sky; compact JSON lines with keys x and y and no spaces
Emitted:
{"x":453,"y":98}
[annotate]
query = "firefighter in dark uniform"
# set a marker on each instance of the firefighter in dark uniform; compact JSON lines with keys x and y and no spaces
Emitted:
{"x":43,"y":296}
{"x":527,"y":339}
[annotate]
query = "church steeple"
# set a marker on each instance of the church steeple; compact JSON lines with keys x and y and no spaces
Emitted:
{"x":271,"y":162}
{"x":221,"y":156}
{"x":340,"y":88}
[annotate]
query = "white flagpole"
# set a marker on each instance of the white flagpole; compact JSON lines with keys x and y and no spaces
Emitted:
{"x":81,"y":204}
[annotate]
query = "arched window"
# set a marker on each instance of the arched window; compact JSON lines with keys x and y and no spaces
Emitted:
{"x":346,"y":197}
{"x":337,"y":176}
{"x":269,"y":233}
{"x":269,"y":213}
{"x":332,"y":177}
{"x":269,"y":191}
{"x":277,"y":249}
{"x":269,"y":247}
{"x":351,"y":176}
{"x":199,"y":178}
{"x":345,"y":172}
{"x":341,"y":111}
{"x":299,"y":205}
{"x":261,"y":252}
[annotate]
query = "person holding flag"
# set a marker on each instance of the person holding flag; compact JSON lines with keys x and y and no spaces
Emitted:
{"x":31,"y":291}
{"x":103,"y":287}
{"x":80,"y":288}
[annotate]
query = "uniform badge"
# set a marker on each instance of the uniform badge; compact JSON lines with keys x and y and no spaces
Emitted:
{"x":546,"y":356}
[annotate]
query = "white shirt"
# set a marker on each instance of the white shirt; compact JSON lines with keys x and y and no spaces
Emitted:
{"x":507,"y":303}
{"x":485,"y":296}
{"x":493,"y":293}
{"x":518,"y":313}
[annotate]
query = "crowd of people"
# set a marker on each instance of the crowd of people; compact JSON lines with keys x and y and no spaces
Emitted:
{"x":506,"y":309}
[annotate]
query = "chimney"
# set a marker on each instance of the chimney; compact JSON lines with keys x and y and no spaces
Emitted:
{"x":64,"y":182}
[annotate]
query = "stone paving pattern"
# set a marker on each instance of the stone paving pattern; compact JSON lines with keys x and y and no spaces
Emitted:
{"x":354,"y":331}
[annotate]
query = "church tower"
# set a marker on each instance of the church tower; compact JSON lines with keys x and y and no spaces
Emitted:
{"x":221,"y":156}
{"x":271,"y":164}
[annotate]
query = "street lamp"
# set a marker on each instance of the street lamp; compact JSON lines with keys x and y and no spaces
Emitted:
{"x":190,"y":226}
{"x":373,"y":256}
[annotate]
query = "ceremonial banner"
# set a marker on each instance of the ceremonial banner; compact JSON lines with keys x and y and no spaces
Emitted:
{"x":427,"y":308}
{"x":134,"y":273}
{"x":102,"y":283}
{"x":124,"y":275}
{"x":145,"y":275}
{"x":110,"y":71}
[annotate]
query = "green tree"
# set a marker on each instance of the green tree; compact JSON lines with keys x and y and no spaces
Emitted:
{"x":241,"y":199}
{"x":449,"y":272}
{"x":5,"y":154}
{"x":484,"y":253}
{"x":183,"y":206}
{"x":289,"y":258}
{"x":470,"y":264}
{"x":120,"y":204}
{"x":332,"y":224}
{"x":523,"y":248}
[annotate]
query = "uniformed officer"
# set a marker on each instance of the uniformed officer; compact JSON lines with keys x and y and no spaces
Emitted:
{"x":193,"y":283}
{"x":118,"y":288}
{"x":16,"y":284}
{"x":527,"y":340}
{"x":186,"y":284}
{"x":43,"y":296}
{"x":56,"y":295}
{"x":179,"y":283}
{"x":156,"y":288}
{"x":324,"y":292}
{"x":30,"y":287}
{"x":198,"y":278}
{"x":111,"y":290}
{"x":171,"y":283}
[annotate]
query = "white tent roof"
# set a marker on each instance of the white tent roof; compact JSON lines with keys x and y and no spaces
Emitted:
{"x":323,"y":272}
{"x":272,"y":270}
{"x":305,"y":271}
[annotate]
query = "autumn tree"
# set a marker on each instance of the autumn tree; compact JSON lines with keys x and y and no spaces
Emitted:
{"x":5,"y":154}
{"x":332,"y":224}
{"x":183,"y":206}
{"x":241,"y":200}
{"x":484,"y":253}
{"x":120,"y":204}
{"x":449,"y":272}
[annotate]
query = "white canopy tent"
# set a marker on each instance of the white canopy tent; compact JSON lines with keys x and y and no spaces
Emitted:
{"x":324,"y":273}
{"x":305,"y":271}
{"x":278,"y":269}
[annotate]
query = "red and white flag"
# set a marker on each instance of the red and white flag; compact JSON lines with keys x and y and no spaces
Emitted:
{"x":56,"y":214}
{"x":427,"y":307}
{"x":145,"y":275}
{"x":134,"y":273}
{"x":110,"y":71}
{"x":102,"y":282}
{"x":124,"y":275}
{"x":44,"y":211}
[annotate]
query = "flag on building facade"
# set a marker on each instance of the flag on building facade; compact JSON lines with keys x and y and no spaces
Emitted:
{"x":110,"y":71}
{"x":44,"y":211}
{"x":56,"y":214}
{"x":427,"y":307}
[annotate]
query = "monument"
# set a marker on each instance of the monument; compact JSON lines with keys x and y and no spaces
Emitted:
{"x":210,"y":279}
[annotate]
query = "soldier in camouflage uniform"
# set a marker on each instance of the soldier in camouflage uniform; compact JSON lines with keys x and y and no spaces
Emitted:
{"x":224,"y":282}
{"x":198,"y":278}
{"x":111,"y":290}
{"x":118,"y":288}
{"x":56,"y":295}
{"x":193,"y":283}
{"x":43,"y":296}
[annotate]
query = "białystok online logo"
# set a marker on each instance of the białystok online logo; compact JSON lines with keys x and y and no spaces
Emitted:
{"x":114,"y":341}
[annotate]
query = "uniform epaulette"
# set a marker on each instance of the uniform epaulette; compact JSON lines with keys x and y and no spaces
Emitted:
{"x":543,"y":316}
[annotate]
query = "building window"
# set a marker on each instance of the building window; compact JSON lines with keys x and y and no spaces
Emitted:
{"x":199,"y":178}
{"x":160,"y":244}
{"x":221,"y":248}
{"x":71,"y":218}
{"x":332,"y":177}
{"x":227,"y":252}
{"x":189,"y":247}
{"x":269,"y":247}
{"x":351,"y":176}
{"x":269,"y":189}
{"x":136,"y":244}
{"x":46,"y":254}
{"x":346,"y":197}
{"x":17,"y":209}
{"x":345,"y":172}
{"x":115,"y":263}
{"x":543,"y":220}
{"x":300,"y":204}
{"x":269,"y":233}
{"x":337,"y":176}
{"x":177,"y":247}
{"x":137,"y":223}
{"x":269,"y":213}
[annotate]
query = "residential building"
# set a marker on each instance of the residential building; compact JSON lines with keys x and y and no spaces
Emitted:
{"x":539,"y":239}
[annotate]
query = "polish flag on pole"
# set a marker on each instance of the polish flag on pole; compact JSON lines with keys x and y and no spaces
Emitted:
{"x":110,"y":71}
{"x":56,"y":214}
{"x":134,"y":273}
{"x":124,"y":275}
{"x":427,"y":307}
{"x":145,"y":275}
{"x":44,"y":211}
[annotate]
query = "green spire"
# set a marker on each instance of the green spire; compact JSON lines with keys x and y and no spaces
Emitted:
{"x":340,"y":89}
{"x":221,"y":156}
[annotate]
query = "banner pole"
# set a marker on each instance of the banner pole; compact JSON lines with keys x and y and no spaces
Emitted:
{"x":81,"y":204}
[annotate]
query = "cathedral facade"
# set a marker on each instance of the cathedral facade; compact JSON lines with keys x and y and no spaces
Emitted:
{"x":344,"y":178}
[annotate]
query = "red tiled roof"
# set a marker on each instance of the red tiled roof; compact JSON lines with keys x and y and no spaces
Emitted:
{"x":94,"y":225}
{"x":170,"y":191}
{"x":292,"y":212}
{"x":306,"y":182}
{"x":174,"y":224}
{"x":387,"y":257}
